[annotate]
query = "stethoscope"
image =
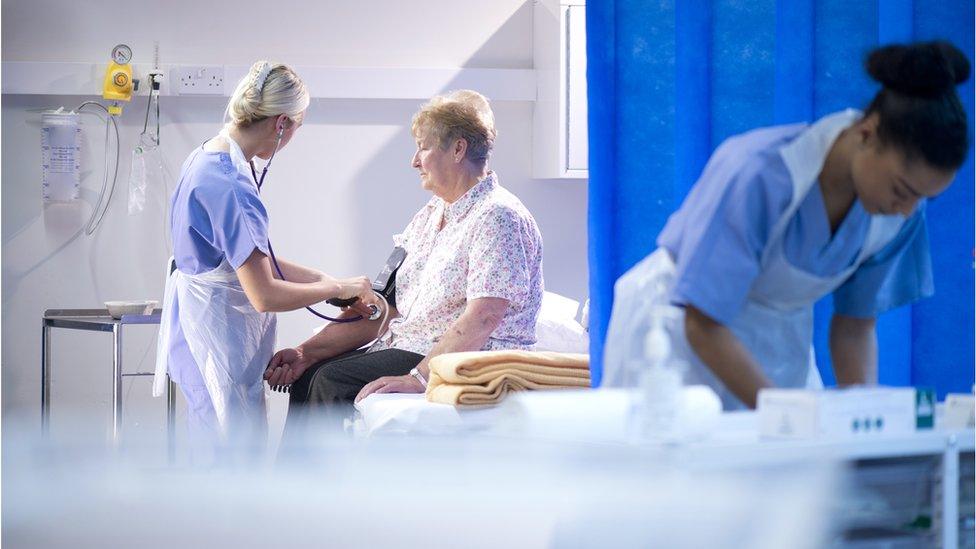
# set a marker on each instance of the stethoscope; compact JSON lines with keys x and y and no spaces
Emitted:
{"x":274,"y":260}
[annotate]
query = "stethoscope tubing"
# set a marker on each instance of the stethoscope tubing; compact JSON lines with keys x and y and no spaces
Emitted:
{"x":274,"y":260}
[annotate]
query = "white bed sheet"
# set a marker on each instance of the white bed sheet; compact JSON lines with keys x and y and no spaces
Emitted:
{"x":581,"y":415}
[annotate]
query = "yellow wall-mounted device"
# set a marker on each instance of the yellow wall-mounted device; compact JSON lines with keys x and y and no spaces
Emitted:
{"x":118,"y":78}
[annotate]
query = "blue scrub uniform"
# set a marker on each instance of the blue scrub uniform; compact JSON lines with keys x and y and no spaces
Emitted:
{"x":216,"y":214}
{"x":721,"y":229}
{"x":751,"y":247}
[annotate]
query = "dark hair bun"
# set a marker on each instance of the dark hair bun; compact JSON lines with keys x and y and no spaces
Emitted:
{"x":925,"y":69}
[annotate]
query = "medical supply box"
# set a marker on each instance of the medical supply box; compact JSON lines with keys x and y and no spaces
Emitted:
{"x":959,"y":411}
{"x":836,"y":413}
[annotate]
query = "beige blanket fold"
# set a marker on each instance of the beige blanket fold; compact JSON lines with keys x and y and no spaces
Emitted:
{"x":485,"y":377}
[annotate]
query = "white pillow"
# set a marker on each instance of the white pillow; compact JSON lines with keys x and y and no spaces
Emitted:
{"x":556,"y":328}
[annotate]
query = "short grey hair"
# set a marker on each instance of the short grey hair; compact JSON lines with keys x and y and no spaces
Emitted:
{"x":461,"y":114}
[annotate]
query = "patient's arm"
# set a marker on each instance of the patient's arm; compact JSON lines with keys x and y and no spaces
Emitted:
{"x":468,"y":333}
{"x":287,"y":365}
{"x":340,"y":337}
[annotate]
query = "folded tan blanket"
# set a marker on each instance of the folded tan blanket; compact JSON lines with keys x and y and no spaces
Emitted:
{"x":485,"y":377}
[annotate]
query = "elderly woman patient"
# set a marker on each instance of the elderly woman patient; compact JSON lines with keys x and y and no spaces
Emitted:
{"x":472,"y":278}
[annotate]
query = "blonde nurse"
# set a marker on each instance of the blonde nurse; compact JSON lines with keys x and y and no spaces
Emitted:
{"x":218,"y":327}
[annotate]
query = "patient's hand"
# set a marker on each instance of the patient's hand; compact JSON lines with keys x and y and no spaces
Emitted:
{"x":286,"y":366}
{"x":391,"y":384}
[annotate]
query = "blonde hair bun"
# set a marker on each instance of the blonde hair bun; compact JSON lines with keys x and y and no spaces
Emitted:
{"x":268,"y":89}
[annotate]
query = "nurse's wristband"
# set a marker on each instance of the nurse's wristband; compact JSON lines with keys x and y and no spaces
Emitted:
{"x":420,"y":377}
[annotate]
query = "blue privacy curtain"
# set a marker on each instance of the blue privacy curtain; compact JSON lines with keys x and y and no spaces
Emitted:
{"x":669,"y":80}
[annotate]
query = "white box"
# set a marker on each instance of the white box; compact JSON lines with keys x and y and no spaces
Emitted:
{"x":958,"y":412}
{"x":836,"y":413}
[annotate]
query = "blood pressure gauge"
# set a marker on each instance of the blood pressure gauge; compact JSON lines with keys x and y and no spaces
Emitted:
{"x":122,"y":54}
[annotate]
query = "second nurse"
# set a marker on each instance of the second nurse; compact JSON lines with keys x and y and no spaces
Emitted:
{"x":783,"y":216}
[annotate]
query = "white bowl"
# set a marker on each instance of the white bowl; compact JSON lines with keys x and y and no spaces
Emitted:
{"x":119,"y":308}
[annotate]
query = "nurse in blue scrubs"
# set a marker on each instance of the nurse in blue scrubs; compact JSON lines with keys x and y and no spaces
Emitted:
{"x":782,"y":216}
{"x":217,"y":333}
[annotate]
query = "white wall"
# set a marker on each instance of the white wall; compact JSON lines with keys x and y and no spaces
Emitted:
{"x":335,"y":195}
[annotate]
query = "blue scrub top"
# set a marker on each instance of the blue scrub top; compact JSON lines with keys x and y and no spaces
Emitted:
{"x":718,"y":235}
{"x":215,"y":213}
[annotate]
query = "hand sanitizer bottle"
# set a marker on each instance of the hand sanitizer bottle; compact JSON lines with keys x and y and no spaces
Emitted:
{"x":659,"y":391}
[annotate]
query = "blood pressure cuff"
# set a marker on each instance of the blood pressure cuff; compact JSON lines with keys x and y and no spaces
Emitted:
{"x":385,"y":282}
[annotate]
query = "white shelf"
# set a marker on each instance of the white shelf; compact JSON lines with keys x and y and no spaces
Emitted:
{"x":68,"y":78}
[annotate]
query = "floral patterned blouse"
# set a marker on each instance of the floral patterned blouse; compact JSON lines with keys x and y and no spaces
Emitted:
{"x":489,"y":246}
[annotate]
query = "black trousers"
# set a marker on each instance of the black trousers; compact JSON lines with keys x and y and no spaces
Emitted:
{"x":326,"y":391}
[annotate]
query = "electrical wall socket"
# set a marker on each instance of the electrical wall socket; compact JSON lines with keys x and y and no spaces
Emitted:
{"x":200,"y":80}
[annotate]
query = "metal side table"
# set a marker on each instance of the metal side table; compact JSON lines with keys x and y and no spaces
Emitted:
{"x":98,"y":320}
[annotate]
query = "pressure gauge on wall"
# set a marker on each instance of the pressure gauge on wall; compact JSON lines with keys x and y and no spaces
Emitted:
{"x":118,"y":83}
{"x":122,"y":54}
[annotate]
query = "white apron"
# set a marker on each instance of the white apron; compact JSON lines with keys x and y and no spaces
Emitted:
{"x":776,"y":323}
{"x":230,"y":341}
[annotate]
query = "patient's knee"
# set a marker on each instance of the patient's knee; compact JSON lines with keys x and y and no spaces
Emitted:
{"x":300,"y":389}
{"x":325,"y":387}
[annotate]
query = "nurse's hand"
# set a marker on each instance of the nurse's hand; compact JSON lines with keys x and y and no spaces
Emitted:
{"x":286,"y":366}
{"x":361,"y":288}
{"x":391,"y":384}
